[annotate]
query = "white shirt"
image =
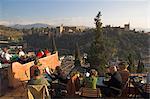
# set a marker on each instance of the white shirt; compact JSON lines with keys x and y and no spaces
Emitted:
{"x":3,"y":54}
{"x":21,"y":53}
{"x":7,"y":56}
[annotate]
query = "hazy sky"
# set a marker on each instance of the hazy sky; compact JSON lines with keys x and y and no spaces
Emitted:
{"x":76,"y":12}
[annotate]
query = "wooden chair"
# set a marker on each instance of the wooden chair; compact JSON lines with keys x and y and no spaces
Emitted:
{"x":90,"y":93}
{"x":38,"y":92}
{"x":132,"y":89}
{"x":125,"y":89}
{"x":123,"y":92}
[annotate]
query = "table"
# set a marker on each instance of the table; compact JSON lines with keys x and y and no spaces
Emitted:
{"x":100,"y":81}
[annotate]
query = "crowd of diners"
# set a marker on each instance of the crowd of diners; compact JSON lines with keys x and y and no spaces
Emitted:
{"x":116,"y":76}
{"x":8,"y":56}
{"x":117,"y":79}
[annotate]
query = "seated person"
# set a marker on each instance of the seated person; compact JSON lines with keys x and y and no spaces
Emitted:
{"x":91,"y":81}
{"x":3,"y":61}
{"x":146,"y":87}
{"x":40,"y":54}
{"x":35,"y":66}
{"x":21,"y":52}
{"x":49,"y":75}
{"x":6,"y":56}
{"x":73,"y":84}
{"x":38,"y":79}
{"x":123,"y":72}
{"x":114,"y":85}
{"x":60,"y":75}
{"x":46,"y":52}
{"x":146,"y":90}
{"x":23,"y":59}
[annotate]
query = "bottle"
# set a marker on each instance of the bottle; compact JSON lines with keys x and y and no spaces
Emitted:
{"x":0,"y":65}
{"x":148,"y":78}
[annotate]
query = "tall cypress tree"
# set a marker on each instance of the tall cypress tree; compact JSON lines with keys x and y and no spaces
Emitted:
{"x":140,"y":67}
{"x":77,"y":56}
{"x":54,"y":48}
{"x":131,"y":66}
{"x":101,"y":48}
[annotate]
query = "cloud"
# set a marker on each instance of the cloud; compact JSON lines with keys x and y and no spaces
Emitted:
{"x":73,"y":21}
{"x":79,"y":21}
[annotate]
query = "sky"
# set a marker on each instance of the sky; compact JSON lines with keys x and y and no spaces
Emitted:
{"x":76,"y":12}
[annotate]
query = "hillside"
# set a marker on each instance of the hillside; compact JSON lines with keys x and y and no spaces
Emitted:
{"x":11,"y":34}
{"x":125,"y":41}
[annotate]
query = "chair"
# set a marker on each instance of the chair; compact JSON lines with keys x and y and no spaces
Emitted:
{"x":90,"y":93}
{"x":38,"y":92}
{"x":125,"y":89}
{"x":116,"y":92}
{"x":132,"y":89}
{"x":123,"y":92}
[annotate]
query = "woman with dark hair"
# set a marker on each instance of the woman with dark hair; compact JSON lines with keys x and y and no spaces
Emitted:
{"x":35,"y":66}
{"x":38,"y":79}
{"x":60,"y":75}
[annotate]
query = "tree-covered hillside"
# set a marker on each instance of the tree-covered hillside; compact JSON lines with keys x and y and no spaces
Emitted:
{"x":125,"y":41}
{"x":10,"y":34}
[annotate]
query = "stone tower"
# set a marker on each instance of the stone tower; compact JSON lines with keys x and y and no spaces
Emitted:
{"x":127,"y":27}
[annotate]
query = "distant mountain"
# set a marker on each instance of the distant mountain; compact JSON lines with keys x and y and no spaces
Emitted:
{"x":29,"y":26}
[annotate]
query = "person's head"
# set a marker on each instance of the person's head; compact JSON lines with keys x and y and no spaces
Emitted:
{"x":58,"y":68}
{"x":5,"y":49}
{"x":112,"y":69}
{"x":107,"y":70}
{"x":40,"y":50}
{"x":75,"y":73}
{"x":122,"y":66}
{"x":36,"y":72}
{"x":46,"y":49}
{"x":93,"y":72}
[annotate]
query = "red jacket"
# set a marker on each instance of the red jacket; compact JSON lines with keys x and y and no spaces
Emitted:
{"x":40,"y":54}
{"x":46,"y":52}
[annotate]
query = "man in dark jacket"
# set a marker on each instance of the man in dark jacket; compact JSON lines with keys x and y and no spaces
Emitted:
{"x":114,"y":85}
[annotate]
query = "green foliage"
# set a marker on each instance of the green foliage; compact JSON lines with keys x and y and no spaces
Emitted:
{"x":140,"y":68}
{"x":77,"y":63}
{"x":127,"y":41}
{"x":77,"y":52}
{"x":54,"y":49}
{"x":131,"y":66}
{"x":101,"y":48}
{"x":123,"y":42}
{"x":77,"y":56}
{"x":11,"y":34}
